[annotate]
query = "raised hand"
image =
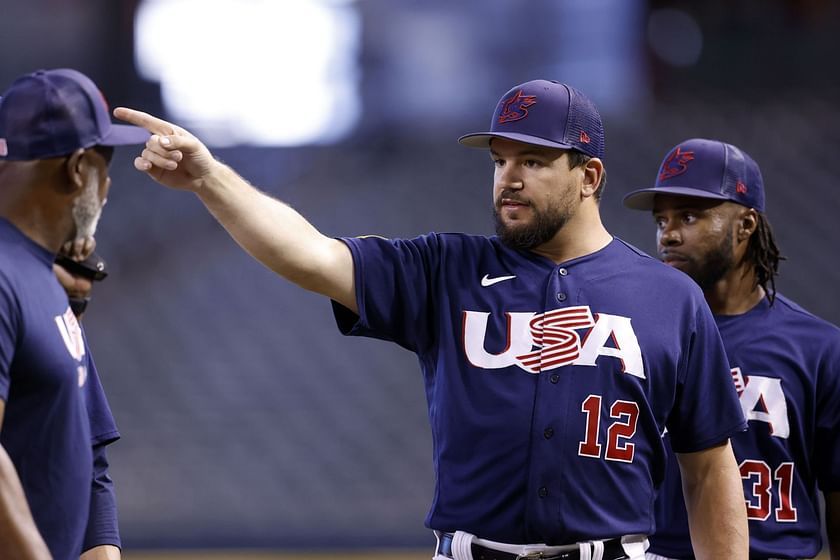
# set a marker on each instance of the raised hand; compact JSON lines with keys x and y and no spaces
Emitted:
{"x":173,"y":157}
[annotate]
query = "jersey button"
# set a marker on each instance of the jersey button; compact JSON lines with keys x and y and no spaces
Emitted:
{"x":543,"y":492}
{"x":562,"y":272}
{"x":548,"y":433}
{"x":561,"y":297}
{"x":555,"y":377}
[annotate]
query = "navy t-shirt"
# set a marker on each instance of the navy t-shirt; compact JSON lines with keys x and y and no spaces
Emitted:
{"x":548,"y":385}
{"x":55,"y":409}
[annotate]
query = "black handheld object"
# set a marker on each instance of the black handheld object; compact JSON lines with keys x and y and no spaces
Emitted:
{"x":93,"y":268}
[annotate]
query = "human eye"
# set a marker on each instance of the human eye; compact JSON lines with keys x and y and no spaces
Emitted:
{"x":659,"y":221}
{"x":532,"y":163}
{"x":689,"y":217}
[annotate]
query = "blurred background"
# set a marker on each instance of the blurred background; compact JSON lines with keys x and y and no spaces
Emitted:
{"x":248,"y":421}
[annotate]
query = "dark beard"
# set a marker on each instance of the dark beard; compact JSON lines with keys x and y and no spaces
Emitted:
{"x":526,"y":237}
{"x":714,"y":266}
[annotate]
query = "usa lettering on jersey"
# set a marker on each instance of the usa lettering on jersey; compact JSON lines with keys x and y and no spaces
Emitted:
{"x":762,"y":400}
{"x":543,"y":341}
{"x":71,"y":334}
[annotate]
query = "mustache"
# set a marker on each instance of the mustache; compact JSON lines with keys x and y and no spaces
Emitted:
{"x":664,"y":253}
{"x":512,"y":195}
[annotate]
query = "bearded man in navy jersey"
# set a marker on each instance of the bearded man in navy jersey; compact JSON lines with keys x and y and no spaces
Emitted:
{"x":551,"y":367}
{"x":708,"y":205}
{"x":56,"y":496}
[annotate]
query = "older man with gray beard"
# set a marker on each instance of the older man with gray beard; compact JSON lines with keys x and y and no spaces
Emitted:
{"x":56,"y":496}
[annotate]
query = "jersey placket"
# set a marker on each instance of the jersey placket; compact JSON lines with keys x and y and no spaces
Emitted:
{"x":548,"y":431}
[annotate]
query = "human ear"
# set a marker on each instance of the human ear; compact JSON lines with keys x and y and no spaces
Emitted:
{"x":747,"y":223}
{"x":77,"y":167}
{"x":592,"y":172}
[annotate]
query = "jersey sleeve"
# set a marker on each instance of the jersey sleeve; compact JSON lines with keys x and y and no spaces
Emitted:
{"x":393,"y":290}
{"x":103,"y":428}
{"x":827,"y":433}
{"x":706,"y":409}
{"x":102,"y":527}
{"x":9,"y":319}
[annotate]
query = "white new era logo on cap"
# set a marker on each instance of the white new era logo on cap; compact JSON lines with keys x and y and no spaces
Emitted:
{"x":4,"y":150}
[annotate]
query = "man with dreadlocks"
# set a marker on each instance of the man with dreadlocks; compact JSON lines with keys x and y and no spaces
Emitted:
{"x":708,"y":206}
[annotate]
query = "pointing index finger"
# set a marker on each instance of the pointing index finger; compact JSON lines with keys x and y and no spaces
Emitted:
{"x":145,"y":120}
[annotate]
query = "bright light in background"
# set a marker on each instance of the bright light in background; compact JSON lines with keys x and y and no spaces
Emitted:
{"x":606,"y":61}
{"x":257,"y":72}
{"x":675,"y":37}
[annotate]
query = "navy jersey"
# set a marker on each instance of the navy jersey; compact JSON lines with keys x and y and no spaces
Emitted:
{"x":786,"y":367}
{"x":548,"y":385}
{"x":55,"y":407}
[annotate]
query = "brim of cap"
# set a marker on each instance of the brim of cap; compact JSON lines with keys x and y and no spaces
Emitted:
{"x":124,"y":135}
{"x":482,"y":140}
{"x":643,"y":199}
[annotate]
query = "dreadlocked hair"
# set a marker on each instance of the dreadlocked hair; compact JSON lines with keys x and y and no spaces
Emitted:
{"x":765,"y":257}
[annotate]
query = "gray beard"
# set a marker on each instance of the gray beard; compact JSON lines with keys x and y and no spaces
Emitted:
{"x":87,"y":209}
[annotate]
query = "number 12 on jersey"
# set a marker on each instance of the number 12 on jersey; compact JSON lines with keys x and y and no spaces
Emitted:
{"x":626,"y":415}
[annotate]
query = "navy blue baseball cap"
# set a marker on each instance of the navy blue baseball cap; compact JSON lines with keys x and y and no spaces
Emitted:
{"x":545,"y":113}
{"x":705,"y":169}
{"x":52,"y":113}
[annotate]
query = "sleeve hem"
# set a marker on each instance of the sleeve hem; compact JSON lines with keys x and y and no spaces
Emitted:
{"x":105,"y":439}
{"x":711,"y":441}
{"x":113,"y":541}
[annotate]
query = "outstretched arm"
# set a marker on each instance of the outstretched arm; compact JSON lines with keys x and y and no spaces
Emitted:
{"x":19,"y":538}
{"x":269,"y":230}
{"x":714,"y":499}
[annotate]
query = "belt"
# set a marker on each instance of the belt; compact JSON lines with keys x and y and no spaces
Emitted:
{"x":612,"y":551}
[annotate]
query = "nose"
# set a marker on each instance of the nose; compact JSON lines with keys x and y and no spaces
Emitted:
{"x":668,"y":236}
{"x":507,"y":177}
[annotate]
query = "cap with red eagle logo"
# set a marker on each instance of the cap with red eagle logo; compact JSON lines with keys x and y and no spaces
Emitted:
{"x":545,"y":113}
{"x":704,"y":169}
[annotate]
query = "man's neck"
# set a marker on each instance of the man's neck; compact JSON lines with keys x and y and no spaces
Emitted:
{"x":576,"y":239}
{"x":736,"y":293}
{"x":33,"y":202}
{"x":40,"y":222}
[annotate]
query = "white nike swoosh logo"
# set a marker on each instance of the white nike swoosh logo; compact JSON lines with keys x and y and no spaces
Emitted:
{"x":487,"y":281}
